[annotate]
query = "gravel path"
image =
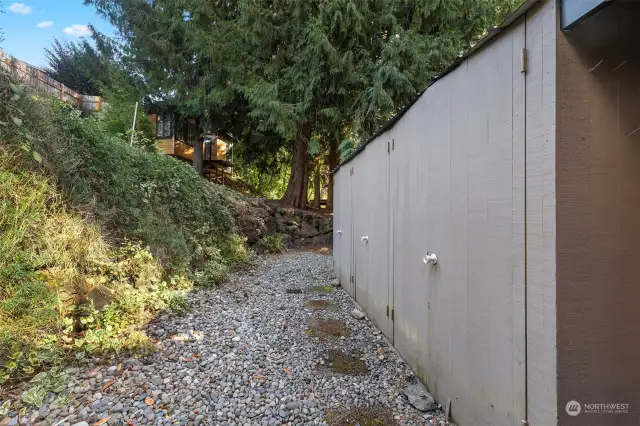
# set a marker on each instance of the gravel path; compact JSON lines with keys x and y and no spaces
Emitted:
{"x":252,"y":352}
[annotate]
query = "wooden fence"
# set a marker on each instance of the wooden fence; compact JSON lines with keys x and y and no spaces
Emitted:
{"x":43,"y":83}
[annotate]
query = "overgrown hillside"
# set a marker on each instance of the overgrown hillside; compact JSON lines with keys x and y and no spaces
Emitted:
{"x":95,"y":237}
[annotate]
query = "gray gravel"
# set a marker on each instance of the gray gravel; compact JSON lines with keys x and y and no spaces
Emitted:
{"x":244,"y":356}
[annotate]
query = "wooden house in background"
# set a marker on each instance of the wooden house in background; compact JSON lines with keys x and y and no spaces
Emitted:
{"x":177,"y":136}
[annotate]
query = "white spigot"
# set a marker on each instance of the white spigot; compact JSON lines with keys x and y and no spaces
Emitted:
{"x":339,"y":231}
{"x":365,"y":239}
{"x":430,"y":258}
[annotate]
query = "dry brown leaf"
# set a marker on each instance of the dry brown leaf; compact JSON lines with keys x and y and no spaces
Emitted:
{"x":188,"y":359}
{"x":119,"y":367}
{"x":129,"y":422}
{"x":259,"y":377}
{"x":108,"y":385}
{"x":102,"y":421}
{"x":197,"y":355}
{"x":288,"y":370}
{"x":149,"y":401}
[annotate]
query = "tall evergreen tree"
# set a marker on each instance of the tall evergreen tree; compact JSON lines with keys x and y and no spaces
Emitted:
{"x":76,"y":65}
{"x":297,"y":69}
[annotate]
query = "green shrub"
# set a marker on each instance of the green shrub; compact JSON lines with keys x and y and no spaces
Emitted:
{"x":81,"y":210}
{"x":131,"y":192}
{"x":53,"y":381}
{"x":34,"y":302}
{"x":273,"y":243}
{"x":178,"y":303}
{"x":117,"y":117}
{"x":49,"y":259}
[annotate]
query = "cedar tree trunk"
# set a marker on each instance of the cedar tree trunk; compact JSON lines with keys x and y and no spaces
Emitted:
{"x":316,"y":186}
{"x":333,"y":163}
{"x":296,"y":193}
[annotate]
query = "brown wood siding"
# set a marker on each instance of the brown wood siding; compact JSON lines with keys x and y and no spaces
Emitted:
{"x":183,"y":151}
{"x":165,"y":146}
{"x":222,"y":148}
{"x":598,"y":229}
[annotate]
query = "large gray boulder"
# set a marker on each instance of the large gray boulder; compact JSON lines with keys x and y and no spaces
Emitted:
{"x":308,"y":230}
{"x":420,"y":398}
{"x":252,"y":227}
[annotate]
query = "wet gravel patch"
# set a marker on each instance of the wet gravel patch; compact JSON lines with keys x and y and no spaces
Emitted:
{"x":245,"y":355}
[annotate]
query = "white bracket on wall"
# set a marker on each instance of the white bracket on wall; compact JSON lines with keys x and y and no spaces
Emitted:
{"x":619,"y":66}
{"x":339,"y":232}
{"x":364,"y":239}
{"x":634,"y":132}
{"x":593,"y":68}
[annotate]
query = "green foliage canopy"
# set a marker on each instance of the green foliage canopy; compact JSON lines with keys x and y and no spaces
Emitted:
{"x":76,"y":65}
{"x":282,"y":63}
{"x":275,"y":73}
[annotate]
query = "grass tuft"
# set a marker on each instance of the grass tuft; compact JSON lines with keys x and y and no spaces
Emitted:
{"x":327,"y":328}
{"x":320,"y":289}
{"x":375,"y":416}
{"x":318,"y":304}
{"x":346,"y":363}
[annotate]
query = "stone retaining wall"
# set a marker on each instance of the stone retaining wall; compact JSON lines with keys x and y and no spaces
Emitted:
{"x":259,"y":217}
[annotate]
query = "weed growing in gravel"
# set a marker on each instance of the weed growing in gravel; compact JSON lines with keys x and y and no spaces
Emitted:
{"x":320,"y":289}
{"x":318,"y":304}
{"x":327,"y":327}
{"x":346,"y":363}
{"x":376,"y":416}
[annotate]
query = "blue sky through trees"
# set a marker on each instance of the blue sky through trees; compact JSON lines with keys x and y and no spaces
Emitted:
{"x":30,"y":26}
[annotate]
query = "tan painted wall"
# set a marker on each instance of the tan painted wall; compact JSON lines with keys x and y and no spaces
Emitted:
{"x":471,"y":178}
{"x":598,"y":219}
{"x":409,"y":296}
{"x":541,"y":35}
{"x":470,"y":213}
{"x":361,"y":194}
{"x":371,"y":208}
{"x":338,"y":224}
